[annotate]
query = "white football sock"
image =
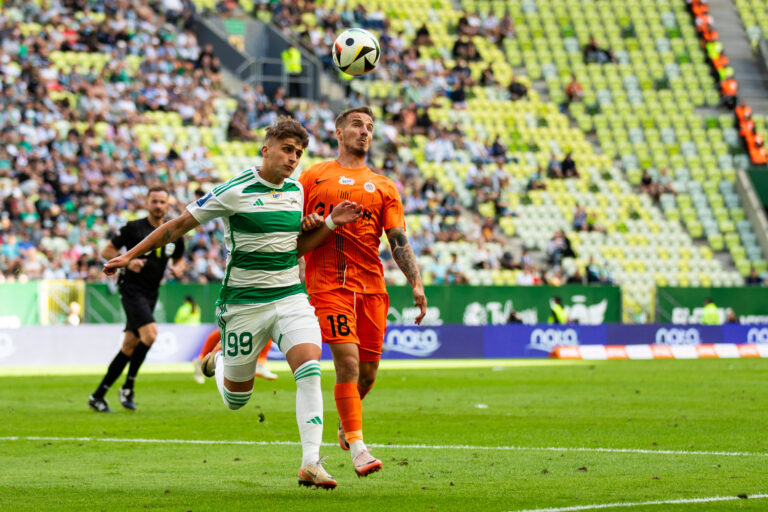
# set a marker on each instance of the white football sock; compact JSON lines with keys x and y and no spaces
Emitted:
{"x":232,"y":399}
{"x":309,"y":410}
{"x":356,"y":447}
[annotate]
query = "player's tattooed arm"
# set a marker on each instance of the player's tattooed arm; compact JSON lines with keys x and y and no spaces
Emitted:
{"x":402,"y":253}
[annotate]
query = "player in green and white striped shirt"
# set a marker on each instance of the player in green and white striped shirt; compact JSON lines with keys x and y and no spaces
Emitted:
{"x":261,"y":296}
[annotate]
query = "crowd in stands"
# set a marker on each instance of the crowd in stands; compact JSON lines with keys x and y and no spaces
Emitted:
{"x":73,"y":170}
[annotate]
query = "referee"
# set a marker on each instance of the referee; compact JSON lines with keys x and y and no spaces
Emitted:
{"x":138,"y":284}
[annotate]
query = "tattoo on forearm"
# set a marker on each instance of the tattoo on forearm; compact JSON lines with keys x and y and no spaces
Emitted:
{"x":166,"y":237}
{"x":403,"y":255}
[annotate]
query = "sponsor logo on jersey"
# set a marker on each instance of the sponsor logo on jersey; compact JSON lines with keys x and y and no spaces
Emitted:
{"x":258,"y":202}
{"x":412,"y":341}
{"x":346,"y":181}
{"x":369,"y":187}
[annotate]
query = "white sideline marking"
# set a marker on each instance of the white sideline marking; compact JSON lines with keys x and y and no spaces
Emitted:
{"x":644,"y":503}
{"x":380,"y":445}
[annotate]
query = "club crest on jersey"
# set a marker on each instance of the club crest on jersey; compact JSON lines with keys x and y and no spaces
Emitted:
{"x":276,"y":195}
{"x":346,"y":181}
{"x":369,"y":187}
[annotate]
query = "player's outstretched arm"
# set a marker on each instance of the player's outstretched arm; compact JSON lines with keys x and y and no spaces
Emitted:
{"x":343,"y":213}
{"x":164,"y":234}
{"x":402,"y":253}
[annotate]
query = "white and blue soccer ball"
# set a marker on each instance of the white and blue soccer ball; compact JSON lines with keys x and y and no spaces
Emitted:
{"x":356,"y":51}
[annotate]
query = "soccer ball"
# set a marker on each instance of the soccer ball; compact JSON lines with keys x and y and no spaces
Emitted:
{"x":356,"y":51}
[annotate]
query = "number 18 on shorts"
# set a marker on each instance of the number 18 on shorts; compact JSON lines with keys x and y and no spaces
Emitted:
{"x":350,"y":317}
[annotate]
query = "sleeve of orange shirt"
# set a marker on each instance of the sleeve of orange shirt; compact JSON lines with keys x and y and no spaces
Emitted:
{"x":305,"y":181}
{"x":393,"y":216}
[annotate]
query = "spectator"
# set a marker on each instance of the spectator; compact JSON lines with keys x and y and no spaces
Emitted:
{"x":450,"y":204}
{"x":568,"y":167}
{"x":594,"y":53}
{"x":573,"y":90}
{"x":554,"y":168}
{"x":422,"y":36}
{"x":729,"y":90}
{"x":753,"y":279}
{"x":536,"y":181}
{"x":597,"y":274}
{"x":559,"y":247}
{"x":647,"y":186}
{"x":527,"y":276}
{"x":459,"y":94}
{"x":517,"y":89}
{"x":579,"y":218}
{"x":576,"y":277}
{"x":488,"y":79}
{"x":454,"y":273}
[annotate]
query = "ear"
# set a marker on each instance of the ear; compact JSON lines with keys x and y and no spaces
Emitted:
{"x":264,"y":150}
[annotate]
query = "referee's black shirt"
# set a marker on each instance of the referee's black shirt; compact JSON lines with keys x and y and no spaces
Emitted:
{"x":153,"y":270}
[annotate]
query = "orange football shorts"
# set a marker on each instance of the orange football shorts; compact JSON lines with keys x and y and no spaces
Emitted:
{"x":351,"y":317}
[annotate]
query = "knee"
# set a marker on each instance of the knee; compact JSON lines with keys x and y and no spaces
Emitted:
{"x":148,"y":338}
{"x":366,"y":381}
{"x":348,"y":368}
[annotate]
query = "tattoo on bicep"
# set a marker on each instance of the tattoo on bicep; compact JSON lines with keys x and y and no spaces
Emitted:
{"x":403,"y":255}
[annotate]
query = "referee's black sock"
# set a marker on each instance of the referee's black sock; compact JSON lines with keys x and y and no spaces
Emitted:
{"x":113,"y":372}
{"x":139,"y":354}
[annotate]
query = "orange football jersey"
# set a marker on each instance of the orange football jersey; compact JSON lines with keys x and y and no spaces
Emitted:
{"x":349,"y":257}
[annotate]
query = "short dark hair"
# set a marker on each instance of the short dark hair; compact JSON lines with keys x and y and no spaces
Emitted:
{"x":287,"y":127}
{"x":341,"y":119}
{"x":157,"y":188}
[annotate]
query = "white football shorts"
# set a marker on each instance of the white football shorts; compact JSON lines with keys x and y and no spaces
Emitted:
{"x":246,"y":328}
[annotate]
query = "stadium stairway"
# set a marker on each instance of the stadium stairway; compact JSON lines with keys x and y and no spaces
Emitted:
{"x":753,"y":82}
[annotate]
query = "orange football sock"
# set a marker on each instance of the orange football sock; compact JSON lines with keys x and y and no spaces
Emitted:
{"x":350,"y":410}
{"x":210,"y":343}
{"x":363,"y":390}
{"x":262,"y":359}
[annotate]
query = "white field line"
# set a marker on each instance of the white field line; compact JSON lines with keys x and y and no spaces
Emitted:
{"x":644,"y":503}
{"x":397,"y":446}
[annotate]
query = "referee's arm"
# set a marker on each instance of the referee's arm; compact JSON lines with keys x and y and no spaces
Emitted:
{"x":164,"y":234}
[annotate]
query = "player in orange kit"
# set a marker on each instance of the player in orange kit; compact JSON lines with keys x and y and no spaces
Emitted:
{"x":344,"y":275}
{"x":214,"y":339}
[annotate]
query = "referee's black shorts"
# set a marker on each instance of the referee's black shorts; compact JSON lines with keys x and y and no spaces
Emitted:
{"x":139,"y":306}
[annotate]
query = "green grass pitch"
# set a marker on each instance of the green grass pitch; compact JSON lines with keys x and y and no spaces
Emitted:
{"x":478,"y":436}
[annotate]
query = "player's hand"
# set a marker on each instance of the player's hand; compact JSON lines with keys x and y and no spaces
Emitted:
{"x":135,"y":265}
{"x":312,"y":221}
{"x":420,"y":301}
{"x":112,"y":265}
{"x":177,"y":271}
{"x":346,"y":212}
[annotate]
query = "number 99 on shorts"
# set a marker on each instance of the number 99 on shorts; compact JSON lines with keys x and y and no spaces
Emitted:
{"x":238,"y":344}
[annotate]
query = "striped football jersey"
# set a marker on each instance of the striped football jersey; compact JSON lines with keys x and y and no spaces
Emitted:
{"x":262,"y":224}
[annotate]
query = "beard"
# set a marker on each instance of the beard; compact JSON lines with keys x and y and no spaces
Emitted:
{"x":355,"y":150}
